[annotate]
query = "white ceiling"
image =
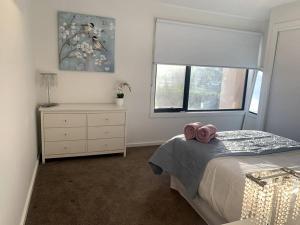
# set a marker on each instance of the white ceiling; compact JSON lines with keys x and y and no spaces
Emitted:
{"x":252,"y":9}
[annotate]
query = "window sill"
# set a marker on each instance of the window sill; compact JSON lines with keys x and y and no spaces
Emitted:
{"x":196,"y":114}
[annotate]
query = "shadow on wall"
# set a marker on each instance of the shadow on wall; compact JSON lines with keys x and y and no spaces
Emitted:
{"x":22,"y":4}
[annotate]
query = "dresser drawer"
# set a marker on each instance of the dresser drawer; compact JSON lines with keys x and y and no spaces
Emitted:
{"x":64,"y":120}
{"x":65,"y":134}
{"x":102,"y":119}
{"x":65,"y":147}
{"x":106,"y":145}
{"x":106,"y":132}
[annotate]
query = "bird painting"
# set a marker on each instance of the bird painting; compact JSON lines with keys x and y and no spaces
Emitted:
{"x":88,"y":28}
{"x":97,"y":44}
{"x":86,"y":43}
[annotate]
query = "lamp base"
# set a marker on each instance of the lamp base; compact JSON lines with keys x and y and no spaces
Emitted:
{"x":47,"y":105}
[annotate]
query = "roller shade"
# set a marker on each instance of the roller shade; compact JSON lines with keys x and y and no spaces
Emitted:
{"x":192,"y":44}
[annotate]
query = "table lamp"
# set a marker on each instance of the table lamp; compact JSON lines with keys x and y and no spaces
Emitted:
{"x":48,"y":80}
{"x":271,"y":197}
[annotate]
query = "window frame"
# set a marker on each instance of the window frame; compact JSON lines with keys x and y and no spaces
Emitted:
{"x":184,"y":108}
{"x":251,"y":96}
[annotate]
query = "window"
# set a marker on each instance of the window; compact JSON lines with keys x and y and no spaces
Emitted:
{"x":256,"y":93}
{"x":198,"y":88}
{"x":169,"y":86}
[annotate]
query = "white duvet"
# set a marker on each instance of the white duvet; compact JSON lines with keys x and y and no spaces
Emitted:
{"x":222,"y":185}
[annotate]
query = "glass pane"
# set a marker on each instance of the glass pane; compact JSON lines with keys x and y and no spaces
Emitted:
{"x":216,"y":88}
{"x":256,"y":93}
{"x":169,"y":86}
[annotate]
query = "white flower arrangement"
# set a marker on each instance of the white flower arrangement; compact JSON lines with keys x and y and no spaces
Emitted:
{"x":121,"y":89}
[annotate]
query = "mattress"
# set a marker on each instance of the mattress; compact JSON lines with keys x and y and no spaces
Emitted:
{"x":222,"y":185}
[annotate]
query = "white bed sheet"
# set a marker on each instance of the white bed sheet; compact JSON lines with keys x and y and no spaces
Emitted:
{"x":222,"y":185}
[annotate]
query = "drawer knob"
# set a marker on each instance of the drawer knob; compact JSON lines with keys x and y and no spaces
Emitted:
{"x":65,"y":121}
{"x":106,"y":145}
{"x":65,"y":134}
{"x":106,"y":119}
{"x":65,"y":148}
{"x":106,"y":132}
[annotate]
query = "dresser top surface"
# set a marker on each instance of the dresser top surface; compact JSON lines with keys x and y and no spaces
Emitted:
{"x":82,"y":107}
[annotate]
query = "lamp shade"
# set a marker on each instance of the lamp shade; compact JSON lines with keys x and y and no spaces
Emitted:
{"x":48,"y":79}
{"x":271,"y":197}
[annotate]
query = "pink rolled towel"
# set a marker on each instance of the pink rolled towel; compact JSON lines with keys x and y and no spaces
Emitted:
{"x":190,"y":130}
{"x":205,"y":133}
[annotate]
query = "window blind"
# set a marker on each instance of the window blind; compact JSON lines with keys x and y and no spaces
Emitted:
{"x":192,"y":44}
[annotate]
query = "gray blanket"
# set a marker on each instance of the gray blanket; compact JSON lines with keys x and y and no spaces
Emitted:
{"x":187,"y":159}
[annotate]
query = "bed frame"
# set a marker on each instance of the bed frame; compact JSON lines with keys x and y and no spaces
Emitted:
{"x":198,"y":204}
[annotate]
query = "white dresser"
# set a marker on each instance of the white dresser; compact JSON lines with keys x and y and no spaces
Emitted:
{"x":82,"y":129}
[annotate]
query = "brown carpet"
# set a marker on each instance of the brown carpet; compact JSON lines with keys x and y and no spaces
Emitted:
{"x":107,"y":190}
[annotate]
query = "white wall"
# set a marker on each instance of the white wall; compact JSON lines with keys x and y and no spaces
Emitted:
{"x":282,"y":108}
{"x":18,"y":99}
{"x":134,"y":46}
{"x":285,"y":13}
{"x":283,"y":111}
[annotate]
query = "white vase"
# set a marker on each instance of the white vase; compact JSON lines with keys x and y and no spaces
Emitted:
{"x":120,"y":101}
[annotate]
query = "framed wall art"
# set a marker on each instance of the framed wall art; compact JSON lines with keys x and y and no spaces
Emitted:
{"x":86,"y":43}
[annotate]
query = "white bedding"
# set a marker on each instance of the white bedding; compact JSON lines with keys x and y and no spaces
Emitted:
{"x":222,"y":185}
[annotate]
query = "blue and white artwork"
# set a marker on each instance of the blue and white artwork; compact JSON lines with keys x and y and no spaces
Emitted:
{"x":86,"y":43}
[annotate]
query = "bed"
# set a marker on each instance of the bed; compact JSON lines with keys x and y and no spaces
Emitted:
{"x":220,"y":191}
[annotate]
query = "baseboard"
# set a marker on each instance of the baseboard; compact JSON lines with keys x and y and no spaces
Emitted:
{"x":143,"y":144}
{"x":29,"y":193}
